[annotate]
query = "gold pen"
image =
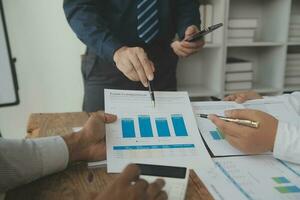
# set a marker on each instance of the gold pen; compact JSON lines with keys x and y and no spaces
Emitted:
{"x":243,"y":122}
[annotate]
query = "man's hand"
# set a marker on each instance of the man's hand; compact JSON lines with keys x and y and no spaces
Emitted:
{"x":135,"y":64}
{"x":249,"y":140}
{"x":130,"y":187}
{"x":89,"y":143}
{"x":241,"y":97}
{"x":184,"y":48}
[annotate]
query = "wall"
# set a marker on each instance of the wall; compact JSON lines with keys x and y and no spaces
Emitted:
{"x":48,"y":62}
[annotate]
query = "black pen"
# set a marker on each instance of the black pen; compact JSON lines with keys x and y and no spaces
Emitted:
{"x":244,"y":122}
{"x":151,"y":94}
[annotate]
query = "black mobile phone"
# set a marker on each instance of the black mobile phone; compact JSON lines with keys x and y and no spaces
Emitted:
{"x":200,"y":34}
{"x":162,"y":171}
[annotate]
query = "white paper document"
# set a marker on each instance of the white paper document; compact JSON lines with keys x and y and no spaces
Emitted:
{"x":212,"y":136}
{"x":260,"y":177}
{"x":166,"y":134}
{"x":277,"y":107}
{"x":215,"y":139}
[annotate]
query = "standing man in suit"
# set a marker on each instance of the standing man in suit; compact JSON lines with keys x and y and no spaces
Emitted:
{"x":131,"y":42}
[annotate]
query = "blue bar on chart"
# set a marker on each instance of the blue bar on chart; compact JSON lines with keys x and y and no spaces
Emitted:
{"x":179,"y":125}
{"x":281,"y":180}
{"x":162,"y":127}
{"x":288,"y":189}
{"x":149,"y":147}
{"x":128,"y":128}
{"x":217,"y":135}
{"x":145,"y":126}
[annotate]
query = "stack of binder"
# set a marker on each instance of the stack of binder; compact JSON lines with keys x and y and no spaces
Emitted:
{"x":292,"y":73}
{"x":242,"y":30}
{"x":206,"y":13}
{"x":294,"y":32}
{"x":239,"y":74}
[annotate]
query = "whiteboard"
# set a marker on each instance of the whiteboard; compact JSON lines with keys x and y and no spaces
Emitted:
{"x":8,"y":81}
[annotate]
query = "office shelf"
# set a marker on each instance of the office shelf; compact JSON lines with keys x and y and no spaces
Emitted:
{"x":294,"y":44}
{"x":198,"y":91}
{"x":256,"y":44}
{"x":203,"y":74}
{"x":212,"y":45}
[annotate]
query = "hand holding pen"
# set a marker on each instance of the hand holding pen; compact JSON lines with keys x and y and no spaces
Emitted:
{"x":243,"y":122}
{"x":247,"y":139}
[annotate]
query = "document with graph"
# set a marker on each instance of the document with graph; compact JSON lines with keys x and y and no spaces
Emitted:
{"x":261,"y":177}
{"x":215,"y":140}
{"x":164,"y":134}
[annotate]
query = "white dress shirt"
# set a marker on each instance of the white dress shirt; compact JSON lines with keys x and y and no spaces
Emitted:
{"x":287,"y":142}
{"x":23,"y":161}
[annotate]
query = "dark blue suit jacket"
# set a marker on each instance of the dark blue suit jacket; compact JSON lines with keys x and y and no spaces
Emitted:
{"x":106,"y":25}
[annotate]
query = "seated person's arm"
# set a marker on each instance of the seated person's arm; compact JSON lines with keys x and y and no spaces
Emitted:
{"x":22,"y":161}
{"x":281,"y":138}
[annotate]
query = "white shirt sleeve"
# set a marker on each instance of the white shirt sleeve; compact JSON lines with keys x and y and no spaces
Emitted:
{"x":287,"y":141}
{"x":22,"y":161}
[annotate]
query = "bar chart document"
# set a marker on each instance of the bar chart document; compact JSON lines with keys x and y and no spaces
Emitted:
{"x":214,"y":138}
{"x":261,"y":177}
{"x":166,"y":134}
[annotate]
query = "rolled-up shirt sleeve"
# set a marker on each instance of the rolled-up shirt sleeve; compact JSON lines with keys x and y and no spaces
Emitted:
{"x":23,"y":161}
{"x":287,"y":141}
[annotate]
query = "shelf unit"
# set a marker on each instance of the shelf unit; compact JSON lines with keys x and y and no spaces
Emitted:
{"x":203,"y":74}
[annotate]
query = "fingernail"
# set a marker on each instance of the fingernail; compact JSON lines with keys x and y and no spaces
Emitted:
{"x":146,"y":84}
{"x":161,"y":182}
{"x":150,"y":77}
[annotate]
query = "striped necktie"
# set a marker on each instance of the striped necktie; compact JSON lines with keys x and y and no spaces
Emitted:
{"x":148,"y":20}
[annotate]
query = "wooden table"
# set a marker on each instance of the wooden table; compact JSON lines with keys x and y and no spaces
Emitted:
{"x":77,"y":181}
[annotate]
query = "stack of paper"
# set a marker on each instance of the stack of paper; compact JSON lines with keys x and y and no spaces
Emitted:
{"x":292,"y":73}
{"x":239,"y":74}
{"x":294,"y":32}
{"x":242,"y":30}
{"x":206,"y":13}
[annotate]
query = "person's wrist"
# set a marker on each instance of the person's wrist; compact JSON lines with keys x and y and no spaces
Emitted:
{"x":73,"y":143}
{"x":117,"y":53}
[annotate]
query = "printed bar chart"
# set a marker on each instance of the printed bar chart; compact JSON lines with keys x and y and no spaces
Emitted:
{"x":281,"y":180}
{"x":288,"y":189}
{"x":162,"y":127}
{"x":145,"y":126}
{"x":179,"y":125}
{"x":128,"y":128}
{"x":217,"y":135}
{"x":147,"y":147}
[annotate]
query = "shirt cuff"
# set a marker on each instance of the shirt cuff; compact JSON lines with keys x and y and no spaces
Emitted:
{"x":279,"y":139}
{"x":286,"y":145}
{"x":54,"y":154}
{"x":108,"y":49}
